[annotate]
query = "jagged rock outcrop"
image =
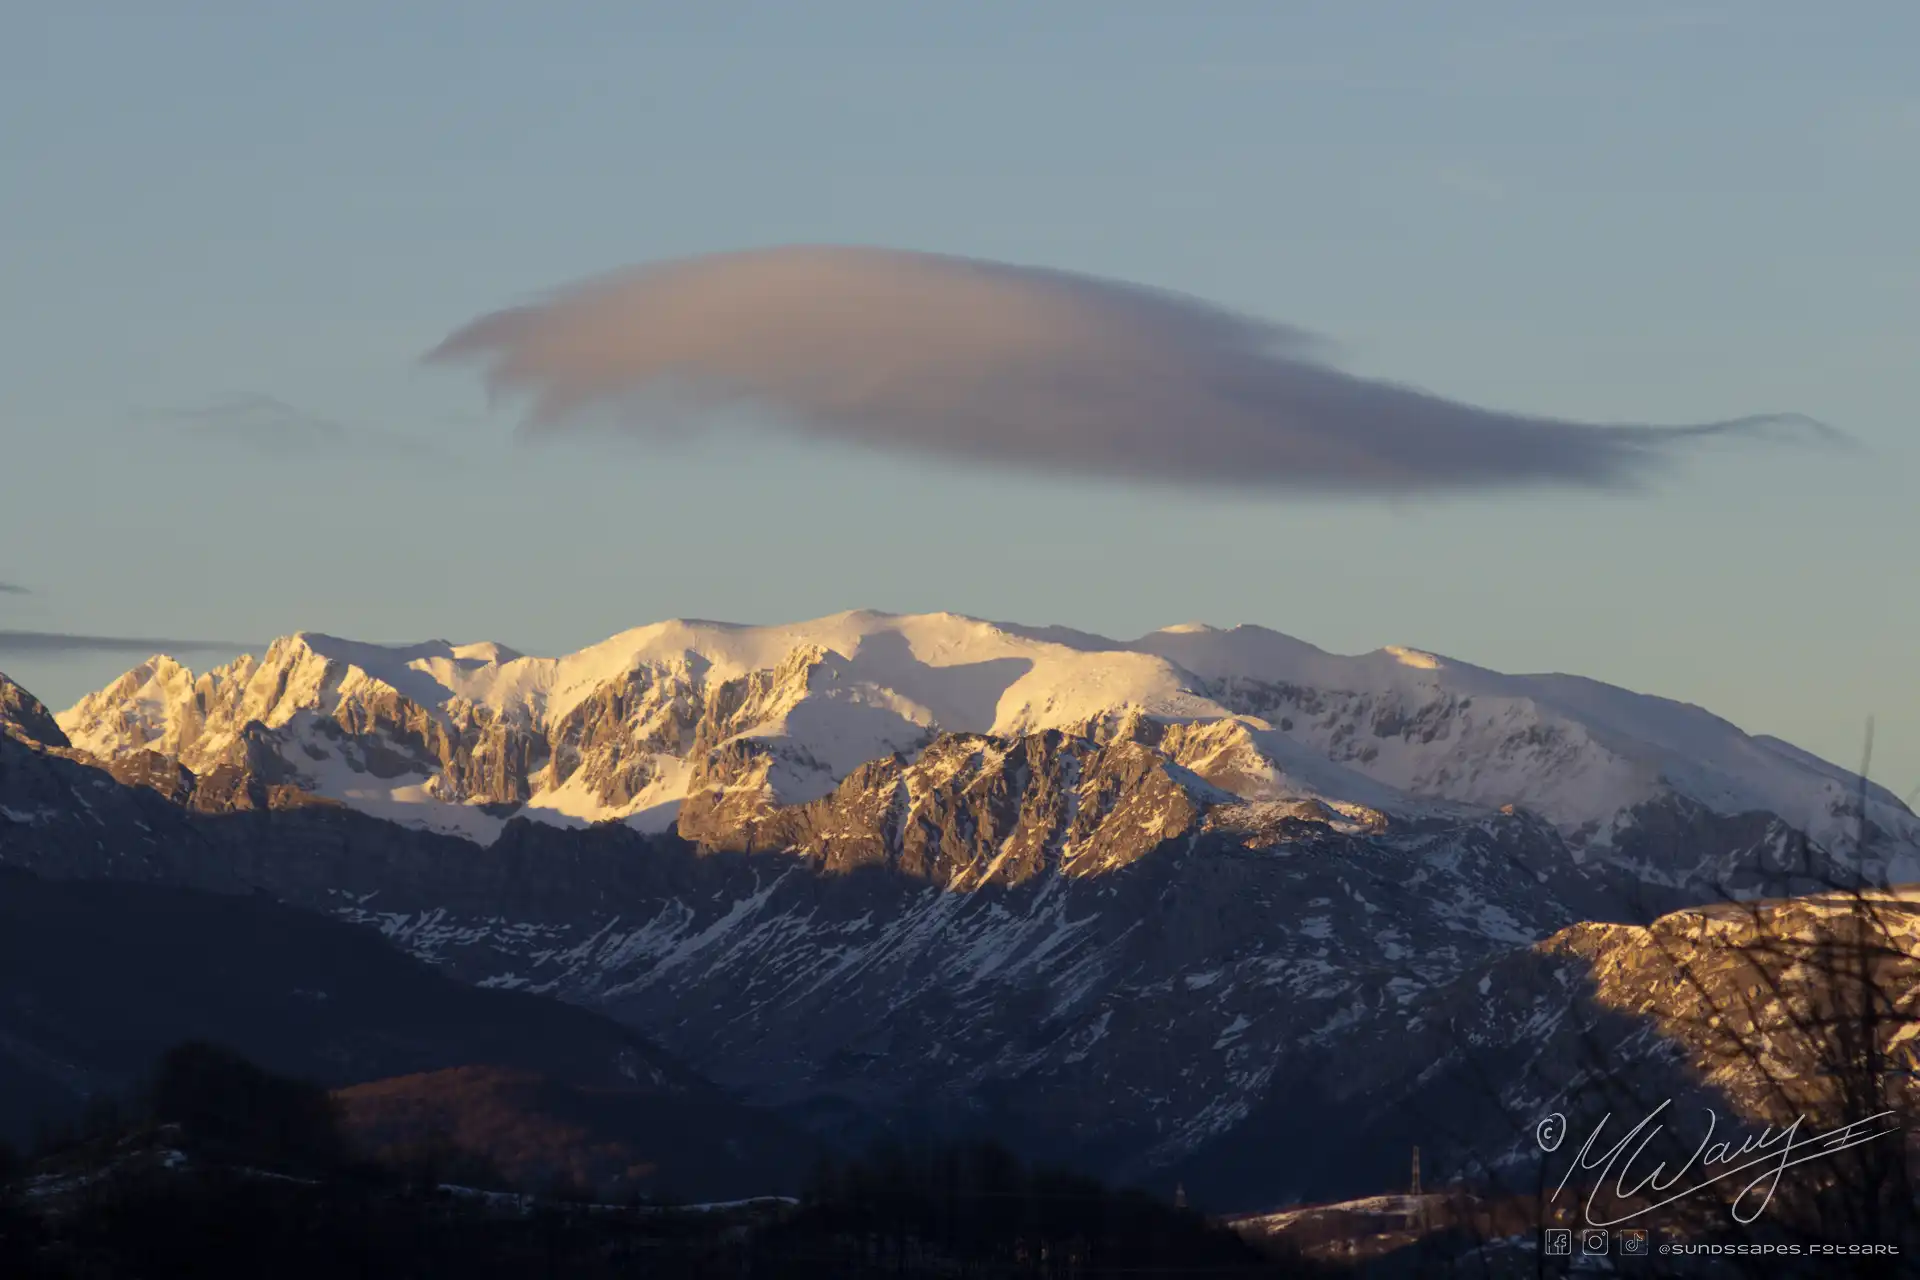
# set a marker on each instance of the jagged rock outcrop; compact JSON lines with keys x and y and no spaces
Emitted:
{"x":1770,"y":1000}
{"x":1730,"y":1007}
{"x":23,"y":716}
{"x":969,"y":811}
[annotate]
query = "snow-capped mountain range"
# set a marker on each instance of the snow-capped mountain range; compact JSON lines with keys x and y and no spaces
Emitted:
{"x":1153,"y":905}
{"x":457,"y":738}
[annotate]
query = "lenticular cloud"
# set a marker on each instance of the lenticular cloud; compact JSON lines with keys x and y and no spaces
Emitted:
{"x":1016,"y":366}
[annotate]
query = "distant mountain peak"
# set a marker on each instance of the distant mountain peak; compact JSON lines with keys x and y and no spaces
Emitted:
{"x":1412,"y":657}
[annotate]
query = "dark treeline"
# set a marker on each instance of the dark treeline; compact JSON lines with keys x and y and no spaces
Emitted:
{"x":975,"y":1210}
{"x":216,"y":1168}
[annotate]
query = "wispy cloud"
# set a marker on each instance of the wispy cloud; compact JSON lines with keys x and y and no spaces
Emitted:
{"x":271,"y":425}
{"x":1022,"y":367}
{"x":13,"y":589}
{"x":56,"y":642}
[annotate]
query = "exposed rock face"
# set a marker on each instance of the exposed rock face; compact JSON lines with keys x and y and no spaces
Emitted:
{"x":1766,"y":999}
{"x":22,"y":716}
{"x":323,"y":724}
{"x":254,"y":780}
{"x":971,"y":810}
{"x":1729,"y":1007}
{"x":611,"y":743}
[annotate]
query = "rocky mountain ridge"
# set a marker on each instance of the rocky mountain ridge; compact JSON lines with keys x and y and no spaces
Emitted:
{"x":752,"y":719}
{"x":1728,"y":1007}
{"x":26,"y":718}
{"x":1152,"y":935}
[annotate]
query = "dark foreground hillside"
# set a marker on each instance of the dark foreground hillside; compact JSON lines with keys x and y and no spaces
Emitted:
{"x":216,"y":1168}
{"x":98,"y":978}
{"x":541,"y":1131}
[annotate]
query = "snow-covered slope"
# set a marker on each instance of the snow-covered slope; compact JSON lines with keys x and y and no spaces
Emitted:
{"x":456,"y":736}
{"x":1577,"y":751}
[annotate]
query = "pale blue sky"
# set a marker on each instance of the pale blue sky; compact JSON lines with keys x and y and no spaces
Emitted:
{"x":1621,"y":212}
